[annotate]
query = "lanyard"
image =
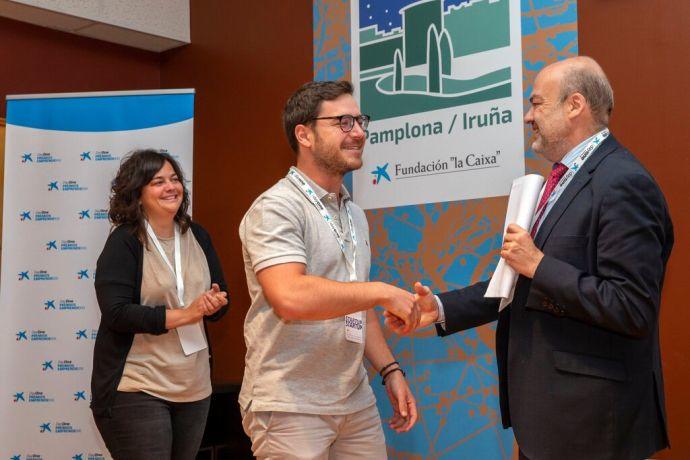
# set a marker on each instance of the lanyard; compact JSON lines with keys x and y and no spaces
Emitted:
{"x":177,"y":271}
{"x":568,"y":176}
{"x":191,"y":336}
{"x":300,"y":182}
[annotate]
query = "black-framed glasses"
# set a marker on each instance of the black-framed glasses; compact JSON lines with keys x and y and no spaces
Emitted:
{"x":347,"y":122}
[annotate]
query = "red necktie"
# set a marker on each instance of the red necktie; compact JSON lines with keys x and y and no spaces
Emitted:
{"x":556,"y":173}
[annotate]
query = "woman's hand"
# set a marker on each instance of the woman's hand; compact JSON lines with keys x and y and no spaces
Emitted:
{"x":215,"y":299}
{"x":206,"y":304}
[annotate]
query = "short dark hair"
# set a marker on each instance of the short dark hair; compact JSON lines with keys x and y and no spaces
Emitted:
{"x":136,"y":170}
{"x":304,"y":104}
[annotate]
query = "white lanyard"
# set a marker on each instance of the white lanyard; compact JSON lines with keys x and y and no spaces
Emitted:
{"x":568,"y":176}
{"x":177,"y":271}
{"x":191,"y":336}
{"x":354,"y":322}
{"x":298,"y":180}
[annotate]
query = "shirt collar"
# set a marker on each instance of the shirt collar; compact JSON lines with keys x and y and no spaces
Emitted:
{"x":320,"y":192}
{"x":571,"y":156}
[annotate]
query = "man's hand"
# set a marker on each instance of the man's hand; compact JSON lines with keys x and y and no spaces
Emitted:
{"x":400,"y":304}
{"x":426,"y":305}
{"x":520,"y":252}
{"x":402,"y":401}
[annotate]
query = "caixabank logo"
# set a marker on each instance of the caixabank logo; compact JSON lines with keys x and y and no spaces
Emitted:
{"x":34,"y":335}
{"x":98,"y":155}
{"x":30,"y":158}
{"x":70,"y":185}
{"x":31,"y":456}
{"x":31,"y":397}
{"x":88,"y":456}
{"x":64,"y":245}
{"x":62,"y":304}
{"x":86,"y":274}
{"x":35,"y":275}
{"x":58,"y":427}
{"x":27,"y":215}
{"x":61,"y":366}
{"x":86,"y":334}
{"x":412,"y":54}
{"x":380,"y":173}
{"x":92,"y":214}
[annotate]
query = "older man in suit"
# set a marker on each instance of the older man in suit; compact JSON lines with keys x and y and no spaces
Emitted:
{"x":578,"y":347}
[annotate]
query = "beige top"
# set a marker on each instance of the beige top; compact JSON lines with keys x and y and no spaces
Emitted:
{"x":156,"y":364}
{"x":301,"y":366}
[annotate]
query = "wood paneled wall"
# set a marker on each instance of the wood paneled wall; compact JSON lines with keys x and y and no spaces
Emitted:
{"x":643,"y":48}
{"x":34,"y":59}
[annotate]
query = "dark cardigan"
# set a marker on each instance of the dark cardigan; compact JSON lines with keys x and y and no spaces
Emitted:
{"x":118,"y":290}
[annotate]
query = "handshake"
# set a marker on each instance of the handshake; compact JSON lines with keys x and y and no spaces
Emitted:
{"x":405,"y":312}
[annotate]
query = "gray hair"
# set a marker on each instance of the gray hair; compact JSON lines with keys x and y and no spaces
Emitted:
{"x":591,"y":82}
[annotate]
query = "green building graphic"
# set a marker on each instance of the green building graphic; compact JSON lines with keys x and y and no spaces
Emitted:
{"x":415,"y":68}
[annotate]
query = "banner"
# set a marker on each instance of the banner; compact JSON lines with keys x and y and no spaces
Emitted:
{"x":62,"y":152}
{"x":442,"y":82}
{"x":445,"y":244}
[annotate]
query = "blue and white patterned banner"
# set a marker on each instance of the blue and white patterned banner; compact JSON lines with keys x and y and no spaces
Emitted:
{"x":62,"y":152}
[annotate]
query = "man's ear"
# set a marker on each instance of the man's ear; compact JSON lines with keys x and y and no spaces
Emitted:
{"x":576,"y":105}
{"x":304,"y":136}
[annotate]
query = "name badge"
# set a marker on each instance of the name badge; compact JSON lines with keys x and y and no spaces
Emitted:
{"x":354,"y":327}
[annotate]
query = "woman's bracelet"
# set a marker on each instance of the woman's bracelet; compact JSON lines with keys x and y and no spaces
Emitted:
{"x":387,"y":366}
{"x":383,"y":377}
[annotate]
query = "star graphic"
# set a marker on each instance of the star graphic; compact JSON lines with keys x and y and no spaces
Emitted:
{"x":381,"y":172}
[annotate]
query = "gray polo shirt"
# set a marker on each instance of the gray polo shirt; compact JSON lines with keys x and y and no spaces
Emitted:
{"x":301,"y":366}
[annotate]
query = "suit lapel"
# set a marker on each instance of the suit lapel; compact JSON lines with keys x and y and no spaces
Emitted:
{"x":580,"y":179}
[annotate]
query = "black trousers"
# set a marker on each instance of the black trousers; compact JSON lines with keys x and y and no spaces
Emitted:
{"x":143,"y":427}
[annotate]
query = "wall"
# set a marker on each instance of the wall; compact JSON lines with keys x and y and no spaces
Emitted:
{"x":39,"y":60}
{"x":245,"y":59}
{"x":2,"y":168}
{"x":643,"y":49}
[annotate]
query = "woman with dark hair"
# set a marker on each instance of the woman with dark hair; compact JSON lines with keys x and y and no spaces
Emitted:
{"x":157,"y":280}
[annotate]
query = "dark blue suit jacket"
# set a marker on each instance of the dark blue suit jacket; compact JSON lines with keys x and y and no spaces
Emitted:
{"x":578,"y":349}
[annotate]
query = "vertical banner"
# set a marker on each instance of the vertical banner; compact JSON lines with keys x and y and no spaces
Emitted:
{"x":447,"y":240}
{"x":62,"y":152}
{"x":442,"y":82}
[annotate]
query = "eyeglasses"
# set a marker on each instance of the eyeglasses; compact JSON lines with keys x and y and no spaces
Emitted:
{"x":347,"y":122}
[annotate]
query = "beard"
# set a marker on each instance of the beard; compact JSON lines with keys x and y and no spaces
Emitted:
{"x":334,"y":158}
{"x":552,"y":147}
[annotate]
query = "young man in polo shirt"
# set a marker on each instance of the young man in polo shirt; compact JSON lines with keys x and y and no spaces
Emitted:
{"x":306,"y":250}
